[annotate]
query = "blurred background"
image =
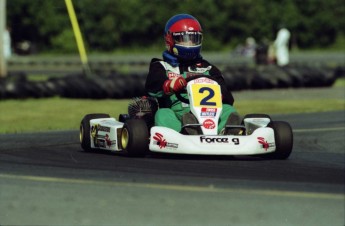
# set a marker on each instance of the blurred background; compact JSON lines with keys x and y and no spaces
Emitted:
{"x":108,"y":26}
{"x":121,"y":37}
{"x":43,"y":26}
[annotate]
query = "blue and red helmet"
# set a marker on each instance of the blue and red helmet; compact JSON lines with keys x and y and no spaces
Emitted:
{"x":183,"y":36}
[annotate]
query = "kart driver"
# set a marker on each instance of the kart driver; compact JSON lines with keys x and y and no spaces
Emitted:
{"x":182,"y":59}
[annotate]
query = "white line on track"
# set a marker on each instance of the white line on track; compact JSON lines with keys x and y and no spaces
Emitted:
{"x":319,"y":129}
{"x":184,"y":188}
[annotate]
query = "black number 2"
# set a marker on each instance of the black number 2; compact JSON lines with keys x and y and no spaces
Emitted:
{"x":205,"y":100}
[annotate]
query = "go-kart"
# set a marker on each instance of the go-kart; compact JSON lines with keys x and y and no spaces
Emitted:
{"x":134,"y":133}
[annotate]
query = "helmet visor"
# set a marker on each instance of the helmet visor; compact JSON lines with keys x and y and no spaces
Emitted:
{"x":187,"y":38}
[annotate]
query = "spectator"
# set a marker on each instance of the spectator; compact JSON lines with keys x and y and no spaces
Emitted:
{"x":250,"y":47}
{"x":281,"y":45}
{"x":7,"y":44}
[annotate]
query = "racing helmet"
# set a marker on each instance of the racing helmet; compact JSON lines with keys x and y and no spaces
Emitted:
{"x":183,"y":36}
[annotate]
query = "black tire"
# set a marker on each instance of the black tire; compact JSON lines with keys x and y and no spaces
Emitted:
{"x":84,"y":130}
{"x":135,"y":138}
{"x":123,"y":117}
{"x":283,"y":138}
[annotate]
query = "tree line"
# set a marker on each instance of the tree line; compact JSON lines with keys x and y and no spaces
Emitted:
{"x":109,"y":25}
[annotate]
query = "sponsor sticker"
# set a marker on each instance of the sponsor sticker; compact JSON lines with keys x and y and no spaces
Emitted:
{"x":219,"y":140}
{"x":172,"y":75}
{"x":204,"y":80}
{"x":199,"y":70}
{"x":162,"y":143}
{"x":103,"y":128}
{"x":100,"y":143}
{"x":108,"y":141}
{"x":209,"y":124}
{"x":265,"y":144}
{"x":208,"y":112}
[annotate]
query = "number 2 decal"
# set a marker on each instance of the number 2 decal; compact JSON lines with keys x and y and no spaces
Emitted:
{"x":210,"y":95}
{"x":207,"y":95}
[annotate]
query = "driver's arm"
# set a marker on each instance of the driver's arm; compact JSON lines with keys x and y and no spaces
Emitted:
{"x":155,"y":79}
{"x":174,"y":85}
{"x":158,"y":84}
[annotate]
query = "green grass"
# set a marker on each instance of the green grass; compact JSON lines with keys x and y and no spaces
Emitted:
{"x":340,"y":82}
{"x":29,"y":115}
{"x":289,"y":106}
{"x":33,"y":115}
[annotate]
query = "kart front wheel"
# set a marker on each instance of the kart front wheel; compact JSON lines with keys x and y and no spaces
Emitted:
{"x":84,"y":130}
{"x":283,"y":138}
{"x":135,"y":137}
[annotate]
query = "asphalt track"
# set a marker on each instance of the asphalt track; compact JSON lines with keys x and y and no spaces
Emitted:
{"x":46,"y":179}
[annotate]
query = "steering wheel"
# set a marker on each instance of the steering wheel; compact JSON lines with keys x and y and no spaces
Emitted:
{"x":178,"y":94}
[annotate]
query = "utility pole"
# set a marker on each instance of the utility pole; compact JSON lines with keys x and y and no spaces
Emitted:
{"x":3,"y":66}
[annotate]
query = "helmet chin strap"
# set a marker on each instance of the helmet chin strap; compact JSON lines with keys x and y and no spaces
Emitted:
{"x":175,"y":61}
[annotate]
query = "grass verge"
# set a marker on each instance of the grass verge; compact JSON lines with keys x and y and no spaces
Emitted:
{"x":33,"y":115}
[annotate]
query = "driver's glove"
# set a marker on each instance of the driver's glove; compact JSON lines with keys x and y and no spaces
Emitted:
{"x":174,"y":85}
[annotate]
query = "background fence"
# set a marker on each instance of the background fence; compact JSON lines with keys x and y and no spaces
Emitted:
{"x":124,"y":76}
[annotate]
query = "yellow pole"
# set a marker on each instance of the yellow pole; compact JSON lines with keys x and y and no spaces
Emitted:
{"x":78,"y":37}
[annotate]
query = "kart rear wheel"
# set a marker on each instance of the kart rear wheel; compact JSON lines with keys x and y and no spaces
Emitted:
{"x":135,"y":138}
{"x":123,"y":117}
{"x":84,"y":130}
{"x":283,"y":138}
